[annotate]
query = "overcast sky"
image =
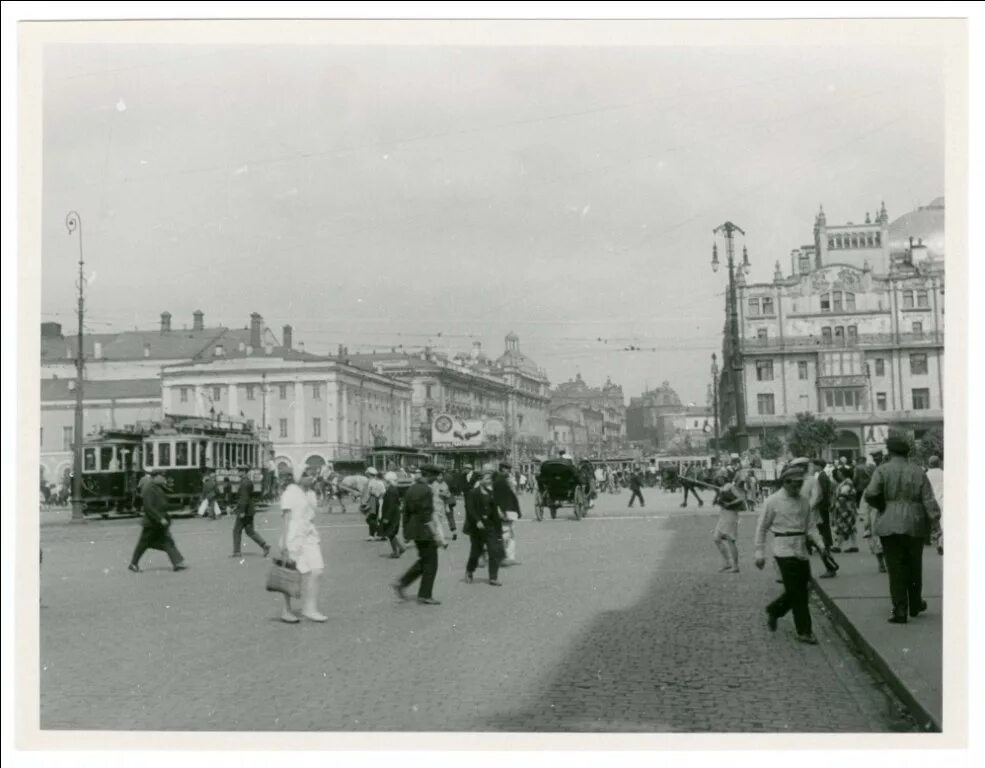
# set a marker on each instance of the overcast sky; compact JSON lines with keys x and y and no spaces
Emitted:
{"x":383,"y":196}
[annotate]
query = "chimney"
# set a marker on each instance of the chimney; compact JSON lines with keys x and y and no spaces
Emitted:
{"x":51,"y":330}
{"x":256,"y":329}
{"x":219,"y":350}
{"x":97,"y":350}
{"x":288,"y":337}
{"x":198,"y":320}
{"x":165,"y":322}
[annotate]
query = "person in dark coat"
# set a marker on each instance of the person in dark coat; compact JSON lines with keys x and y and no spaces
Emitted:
{"x":419,"y":528}
{"x":210,"y":492}
{"x":509,"y":509}
{"x":390,"y":515}
{"x":636,"y":486}
{"x":483,"y":526}
{"x":244,"y":515}
{"x":155,"y":530}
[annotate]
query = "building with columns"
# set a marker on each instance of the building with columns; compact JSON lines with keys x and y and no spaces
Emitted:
{"x":316,"y":409}
{"x":854,"y":332}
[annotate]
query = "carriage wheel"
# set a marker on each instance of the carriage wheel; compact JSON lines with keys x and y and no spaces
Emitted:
{"x":581,"y":506}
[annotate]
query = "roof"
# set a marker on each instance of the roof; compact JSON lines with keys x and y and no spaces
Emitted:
{"x":53,"y":390}
{"x":514,"y":358}
{"x":925,"y":223}
{"x":131,"y":345}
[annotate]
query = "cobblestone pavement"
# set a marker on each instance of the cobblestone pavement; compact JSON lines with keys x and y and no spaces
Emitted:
{"x":619,"y":622}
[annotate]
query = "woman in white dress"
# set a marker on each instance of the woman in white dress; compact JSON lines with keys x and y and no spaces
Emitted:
{"x":300,"y":540}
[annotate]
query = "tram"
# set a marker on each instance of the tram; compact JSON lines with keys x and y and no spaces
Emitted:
{"x":181,"y":448}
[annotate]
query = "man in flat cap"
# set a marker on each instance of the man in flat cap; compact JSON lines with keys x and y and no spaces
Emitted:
{"x":419,"y":527}
{"x":155,"y":527}
{"x":792,"y":519}
{"x":245,"y":510}
{"x":907,"y":512}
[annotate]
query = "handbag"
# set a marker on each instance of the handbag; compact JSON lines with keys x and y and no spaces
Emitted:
{"x":284,"y":576}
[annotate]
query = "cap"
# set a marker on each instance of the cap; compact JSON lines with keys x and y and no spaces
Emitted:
{"x":372,"y":471}
{"x":898,"y":444}
{"x":390,"y":477}
{"x":793,"y":471}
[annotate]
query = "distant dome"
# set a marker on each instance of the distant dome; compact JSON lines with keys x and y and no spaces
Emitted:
{"x":514,"y":358}
{"x":925,"y":223}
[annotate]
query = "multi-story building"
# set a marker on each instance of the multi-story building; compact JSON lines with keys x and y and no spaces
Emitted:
{"x":659,"y":419}
{"x":855,"y":332}
{"x":315,"y":408}
{"x":528,"y":399}
{"x":607,"y":400}
{"x":568,"y":434}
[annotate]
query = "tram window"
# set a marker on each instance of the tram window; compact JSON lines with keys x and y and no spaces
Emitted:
{"x":181,"y":453}
{"x":164,"y":454}
{"x":106,"y":458}
{"x":89,"y":460}
{"x":194,"y":457}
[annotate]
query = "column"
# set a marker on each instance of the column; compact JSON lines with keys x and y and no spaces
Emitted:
{"x":329,"y":431}
{"x":233,"y":410}
{"x":343,"y":414}
{"x":199,"y":395}
{"x":266,"y":405}
{"x":299,"y":433}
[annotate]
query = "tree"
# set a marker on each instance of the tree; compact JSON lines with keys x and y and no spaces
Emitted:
{"x":810,"y":435}
{"x":931,"y":444}
{"x":770,"y":446}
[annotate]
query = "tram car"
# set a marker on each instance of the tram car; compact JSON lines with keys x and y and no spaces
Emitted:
{"x":181,"y":447}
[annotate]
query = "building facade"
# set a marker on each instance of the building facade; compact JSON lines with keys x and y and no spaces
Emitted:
{"x":855,"y":332}
{"x":316,"y":409}
{"x":607,"y":400}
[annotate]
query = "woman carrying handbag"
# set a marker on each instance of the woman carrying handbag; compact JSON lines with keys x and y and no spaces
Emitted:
{"x":300,"y":544}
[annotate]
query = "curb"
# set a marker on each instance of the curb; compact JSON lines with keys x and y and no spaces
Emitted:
{"x":924,"y":719}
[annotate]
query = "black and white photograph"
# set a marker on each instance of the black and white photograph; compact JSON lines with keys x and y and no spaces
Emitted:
{"x":506,"y":379}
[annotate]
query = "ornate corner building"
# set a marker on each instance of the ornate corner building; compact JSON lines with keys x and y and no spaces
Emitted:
{"x":854,"y":332}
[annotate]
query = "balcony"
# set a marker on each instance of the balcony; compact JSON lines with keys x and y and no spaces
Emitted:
{"x":862,"y":341}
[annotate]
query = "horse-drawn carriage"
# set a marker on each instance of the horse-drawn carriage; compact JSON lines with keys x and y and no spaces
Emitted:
{"x":561,"y":483}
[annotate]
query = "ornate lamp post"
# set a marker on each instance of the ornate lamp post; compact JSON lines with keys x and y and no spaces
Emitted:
{"x":714,"y":395}
{"x":729,"y":229}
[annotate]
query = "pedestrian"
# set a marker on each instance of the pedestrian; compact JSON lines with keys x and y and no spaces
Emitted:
{"x":731,"y":499}
{"x":419,"y":527}
{"x":301,"y":544}
{"x":824,"y":494}
{"x":444,"y":503}
{"x":155,"y":525}
{"x":484,"y":527}
{"x":509,"y":510}
{"x":636,"y":487}
{"x":390,"y":515}
{"x":936,"y":476}
{"x":789,"y":516}
{"x":227,"y":494}
{"x":245,"y":511}
{"x":210,"y":493}
{"x":907,"y":514}
{"x":845,"y":517}
{"x":369,"y":502}
{"x":686,"y":479}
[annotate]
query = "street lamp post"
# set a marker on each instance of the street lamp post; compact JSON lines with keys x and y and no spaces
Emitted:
{"x":73,"y":223}
{"x":729,"y":229}
{"x":714,"y":396}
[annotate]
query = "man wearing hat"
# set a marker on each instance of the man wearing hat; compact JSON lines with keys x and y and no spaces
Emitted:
{"x":369,"y":502}
{"x":390,"y":515}
{"x":509,"y":510}
{"x":484,"y":527}
{"x":244,"y":515}
{"x":419,"y":527}
{"x":155,"y":527}
{"x":792,"y":520}
{"x":907,"y":513}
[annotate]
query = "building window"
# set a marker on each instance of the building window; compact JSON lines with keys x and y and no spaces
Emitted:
{"x":767,"y":306}
{"x":765,"y":404}
{"x":805,"y":264}
{"x":250,"y":393}
{"x":428,"y":395}
{"x":849,"y":302}
{"x":826,"y":335}
{"x":67,"y":439}
{"x":907,"y":299}
{"x":825,"y":302}
{"x":802,"y":369}
{"x":764,"y":370}
{"x":836,"y":304}
{"x":217,"y":393}
{"x":762,"y":334}
{"x":918,"y":363}
{"x":852,"y":334}
{"x":839,"y":335}
{"x":881,"y":401}
{"x":880,"y":367}
{"x":316,"y":427}
{"x":922,"y":300}
{"x":753,"y":306}
{"x":282,"y":391}
{"x":283,"y":427}
{"x":918,"y":327}
{"x":316,"y":391}
{"x":184,"y":394}
{"x":921,"y":399}
{"x":831,"y":243}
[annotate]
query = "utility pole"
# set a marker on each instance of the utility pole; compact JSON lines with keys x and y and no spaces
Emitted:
{"x":714,"y":396}
{"x":73,"y":222}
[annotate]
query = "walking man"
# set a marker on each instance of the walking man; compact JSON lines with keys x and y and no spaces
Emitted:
{"x":636,"y":486}
{"x":390,"y":515}
{"x":419,"y":528}
{"x":509,"y":511}
{"x":690,"y":473}
{"x":155,"y":527}
{"x":483,"y":525}
{"x":244,"y":515}
{"x":210,"y":492}
{"x":789,"y":516}
{"x":907,"y":514}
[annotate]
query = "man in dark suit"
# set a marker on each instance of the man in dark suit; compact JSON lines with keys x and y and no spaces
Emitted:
{"x":509,"y":510}
{"x":483,"y":526}
{"x":244,"y":515}
{"x":420,"y":528}
{"x":155,"y":531}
